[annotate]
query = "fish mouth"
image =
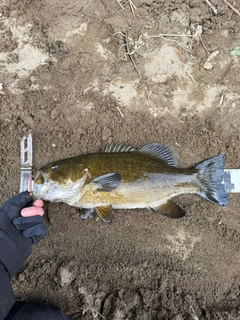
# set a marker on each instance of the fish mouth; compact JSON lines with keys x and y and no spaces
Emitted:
{"x":41,"y":184}
{"x":47,"y":189}
{"x":36,"y":185}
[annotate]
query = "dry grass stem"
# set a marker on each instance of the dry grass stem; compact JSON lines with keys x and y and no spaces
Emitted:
{"x":118,"y":1}
{"x":131,"y":4}
{"x":120,"y":111}
{"x":136,"y":45}
{"x":84,"y":310}
{"x":173,"y":35}
{"x":234,"y":9}
{"x":1,"y":89}
{"x":171,"y":40}
{"x":197,"y":32}
{"x":195,"y":35}
{"x":130,"y":54}
{"x":221,"y":100}
{"x":211,"y":6}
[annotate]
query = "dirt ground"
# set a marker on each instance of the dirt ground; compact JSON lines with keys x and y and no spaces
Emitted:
{"x":66,"y":78}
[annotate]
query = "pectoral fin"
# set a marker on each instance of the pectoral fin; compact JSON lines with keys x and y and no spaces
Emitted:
{"x":105,"y":213}
{"x":170,"y":209}
{"x":107,"y":182}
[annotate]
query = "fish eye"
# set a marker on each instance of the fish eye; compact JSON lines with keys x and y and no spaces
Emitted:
{"x":54,"y":167}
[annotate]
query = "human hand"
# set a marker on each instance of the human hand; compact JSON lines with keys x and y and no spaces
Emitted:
{"x":26,"y":216}
{"x":22,"y":203}
{"x":21,"y":225}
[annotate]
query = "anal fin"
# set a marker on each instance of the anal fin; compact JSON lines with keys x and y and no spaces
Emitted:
{"x":170,"y":209}
{"x":105,"y":213}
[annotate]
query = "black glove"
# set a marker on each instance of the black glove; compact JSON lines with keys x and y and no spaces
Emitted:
{"x":17,"y":234}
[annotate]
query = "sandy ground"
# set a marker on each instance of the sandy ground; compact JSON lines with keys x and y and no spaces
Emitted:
{"x":68,"y":80}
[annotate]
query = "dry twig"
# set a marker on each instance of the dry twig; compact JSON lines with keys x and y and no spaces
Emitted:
{"x":120,"y":111}
{"x":136,"y":45}
{"x":131,"y":4}
{"x":171,"y":40}
{"x":197,"y":32}
{"x":234,"y":9}
{"x":196,"y":36}
{"x":130,"y":54}
{"x":1,"y":89}
{"x":211,"y":6}
{"x":118,"y":1}
{"x":84,"y":310}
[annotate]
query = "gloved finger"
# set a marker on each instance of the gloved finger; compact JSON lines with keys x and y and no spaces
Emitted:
{"x":31,"y":227}
{"x":36,"y":239}
{"x":37,"y":230}
{"x":24,"y":223}
{"x":13,"y":205}
{"x":32,"y":211}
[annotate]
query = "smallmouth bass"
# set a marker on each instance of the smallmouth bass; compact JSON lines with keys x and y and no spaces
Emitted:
{"x":122,"y":177}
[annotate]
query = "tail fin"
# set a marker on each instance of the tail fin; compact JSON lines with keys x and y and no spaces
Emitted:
{"x":210,"y":175}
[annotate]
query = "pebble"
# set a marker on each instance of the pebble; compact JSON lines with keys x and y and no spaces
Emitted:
{"x":66,"y":276}
{"x":106,"y":134}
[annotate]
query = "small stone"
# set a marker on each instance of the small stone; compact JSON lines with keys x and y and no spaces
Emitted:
{"x":106,"y":134}
{"x":66,"y":276}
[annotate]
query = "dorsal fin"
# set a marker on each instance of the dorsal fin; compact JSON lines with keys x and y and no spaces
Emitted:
{"x":160,"y":151}
{"x":117,"y":147}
